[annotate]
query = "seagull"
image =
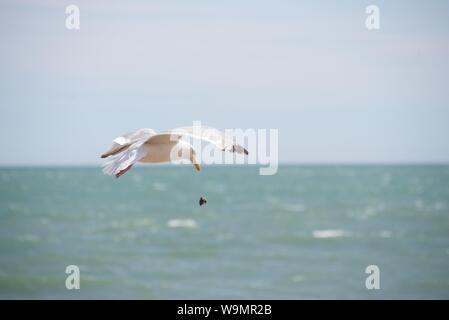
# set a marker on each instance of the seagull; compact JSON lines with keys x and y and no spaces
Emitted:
{"x":147,"y":146}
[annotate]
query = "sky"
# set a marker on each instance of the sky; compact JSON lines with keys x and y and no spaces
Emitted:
{"x":336,"y":91}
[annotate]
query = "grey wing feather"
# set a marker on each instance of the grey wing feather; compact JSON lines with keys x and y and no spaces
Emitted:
{"x":123,"y":142}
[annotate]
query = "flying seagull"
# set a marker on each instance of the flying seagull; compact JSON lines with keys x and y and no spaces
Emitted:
{"x":147,"y":146}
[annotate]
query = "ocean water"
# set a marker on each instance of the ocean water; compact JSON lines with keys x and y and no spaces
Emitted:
{"x":307,"y":232}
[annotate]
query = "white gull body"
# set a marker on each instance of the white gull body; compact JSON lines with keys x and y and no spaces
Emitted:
{"x":147,"y":146}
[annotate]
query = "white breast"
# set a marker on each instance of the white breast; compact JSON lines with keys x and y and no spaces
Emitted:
{"x":166,"y":152}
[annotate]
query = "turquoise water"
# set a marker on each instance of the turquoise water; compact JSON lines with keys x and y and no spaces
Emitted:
{"x":307,"y":232}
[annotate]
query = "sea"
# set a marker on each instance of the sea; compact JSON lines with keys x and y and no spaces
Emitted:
{"x":307,"y":232}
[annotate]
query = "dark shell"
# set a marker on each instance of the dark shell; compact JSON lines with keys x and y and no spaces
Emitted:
{"x":202,"y":201}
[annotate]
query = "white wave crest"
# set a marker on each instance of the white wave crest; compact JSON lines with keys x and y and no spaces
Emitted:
{"x":182,"y":223}
{"x":321,"y":234}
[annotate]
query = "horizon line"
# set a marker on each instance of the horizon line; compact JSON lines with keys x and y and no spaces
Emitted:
{"x":283,"y":163}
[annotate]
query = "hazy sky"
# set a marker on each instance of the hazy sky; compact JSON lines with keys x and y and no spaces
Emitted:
{"x":336,"y":91}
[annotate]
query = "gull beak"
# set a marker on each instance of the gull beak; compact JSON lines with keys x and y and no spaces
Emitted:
{"x":197,"y":167}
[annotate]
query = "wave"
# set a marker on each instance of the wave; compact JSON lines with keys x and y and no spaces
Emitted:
{"x":322,"y":234}
{"x":182,"y":223}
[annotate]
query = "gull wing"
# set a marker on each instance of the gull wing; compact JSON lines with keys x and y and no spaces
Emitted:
{"x":123,"y":142}
{"x":209,"y":134}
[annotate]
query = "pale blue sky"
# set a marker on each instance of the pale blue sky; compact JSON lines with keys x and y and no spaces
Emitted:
{"x":336,"y":91}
